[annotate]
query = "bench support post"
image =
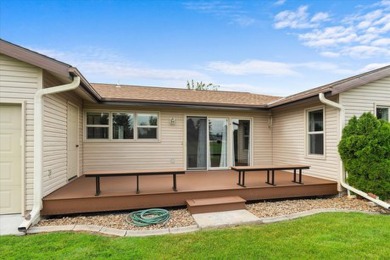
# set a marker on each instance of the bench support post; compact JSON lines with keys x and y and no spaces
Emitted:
{"x":137,"y":191}
{"x":272,"y":177}
{"x":174,"y":182}
{"x":97,"y":186}
{"x":299,"y":178}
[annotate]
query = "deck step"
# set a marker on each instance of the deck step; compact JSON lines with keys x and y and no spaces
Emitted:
{"x":215,"y":204}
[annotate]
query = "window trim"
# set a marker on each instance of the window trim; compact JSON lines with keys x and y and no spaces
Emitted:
{"x":307,"y":133}
{"x":110,"y":126}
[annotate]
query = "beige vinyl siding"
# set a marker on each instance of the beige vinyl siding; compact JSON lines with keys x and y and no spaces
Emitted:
{"x":289,"y":140}
{"x":169,"y":150}
{"x":20,"y":81}
{"x":55,"y":135}
{"x":364,"y":98}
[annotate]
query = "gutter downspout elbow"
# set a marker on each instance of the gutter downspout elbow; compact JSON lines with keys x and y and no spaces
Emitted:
{"x":325,"y":101}
{"x":38,"y":149}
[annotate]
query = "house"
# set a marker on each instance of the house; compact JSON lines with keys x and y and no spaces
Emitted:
{"x":55,"y":125}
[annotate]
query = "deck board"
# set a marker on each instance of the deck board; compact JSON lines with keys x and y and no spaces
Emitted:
{"x":119,"y":193}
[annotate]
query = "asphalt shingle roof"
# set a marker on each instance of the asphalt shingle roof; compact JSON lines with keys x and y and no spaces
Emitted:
{"x":128,"y":93}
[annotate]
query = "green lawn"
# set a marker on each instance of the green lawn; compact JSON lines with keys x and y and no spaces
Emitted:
{"x":324,"y":236}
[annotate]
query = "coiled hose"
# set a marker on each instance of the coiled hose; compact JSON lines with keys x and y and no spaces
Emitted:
{"x":143,"y":218}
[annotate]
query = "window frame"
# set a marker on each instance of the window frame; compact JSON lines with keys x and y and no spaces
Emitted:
{"x":309,"y":133}
{"x":110,"y":126}
{"x":146,"y":126}
{"x":382,"y":106}
{"x":96,"y":126}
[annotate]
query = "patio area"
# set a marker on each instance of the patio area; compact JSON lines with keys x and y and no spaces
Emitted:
{"x":119,"y":193}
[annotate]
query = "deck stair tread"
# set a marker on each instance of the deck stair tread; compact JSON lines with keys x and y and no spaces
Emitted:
{"x":215,"y":204}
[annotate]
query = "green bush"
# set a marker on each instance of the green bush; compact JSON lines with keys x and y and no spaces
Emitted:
{"x":365,"y":151}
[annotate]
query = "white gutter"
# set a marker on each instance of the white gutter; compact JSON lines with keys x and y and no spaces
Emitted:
{"x":342,"y":176}
{"x":38,"y":148}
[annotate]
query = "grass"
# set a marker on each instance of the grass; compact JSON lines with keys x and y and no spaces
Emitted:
{"x":323,"y":236}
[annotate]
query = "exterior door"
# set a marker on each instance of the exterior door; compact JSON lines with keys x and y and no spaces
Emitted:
{"x":196,"y":143}
{"x":73,"y":141}
{"x":218,"y":149}
{"x":10,"y":159}
{"x":241,"y":142}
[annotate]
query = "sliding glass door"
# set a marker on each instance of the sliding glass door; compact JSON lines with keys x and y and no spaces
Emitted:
{"x":217,"y":143}
{"x":196,"y":143}
{"x":213,"y":143}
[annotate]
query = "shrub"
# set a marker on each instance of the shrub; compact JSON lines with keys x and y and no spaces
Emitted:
{"x":365,"y":151}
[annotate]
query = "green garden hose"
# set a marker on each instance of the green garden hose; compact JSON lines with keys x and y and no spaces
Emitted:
{"x":143,"y":218}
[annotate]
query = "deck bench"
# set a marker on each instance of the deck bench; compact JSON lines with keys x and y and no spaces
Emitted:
{"x":270,"y":169}
{"x":102,"y":173}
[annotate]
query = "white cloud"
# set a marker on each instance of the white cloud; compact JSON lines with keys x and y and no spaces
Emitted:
{"x":232,"y":11}
{"x":366,"y":51}
{"x":299,"y":19}
{"x":362,"y":34}
{"x":270,"y":68}
{"x":330,"y":54}
{"x":292,"y":19}
{"x":128,"y":71}
{"x":252,"y":67}
{"x":372,"y":66}
{"x":319,"y":17}
{"x":97,"y":64}
{"x":243,"y":20}
{"x":381,"y":42}
{"x":280,"y":2}
{"x":328,"y":36}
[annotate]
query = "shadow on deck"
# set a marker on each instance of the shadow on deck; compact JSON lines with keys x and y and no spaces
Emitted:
{"x":119,"y":193}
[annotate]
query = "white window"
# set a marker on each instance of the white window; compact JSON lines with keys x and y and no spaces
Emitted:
{"x":315,"y":132}
{"x":147,"y":126}
{"x":121,"y":125}
{"x":97,"y":125}
{"x":382,"y":112}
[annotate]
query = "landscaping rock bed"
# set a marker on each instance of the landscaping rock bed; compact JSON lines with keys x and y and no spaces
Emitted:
{"x":287,"y":207}
{"x":179,"y":218}
{"x":182,"y":218}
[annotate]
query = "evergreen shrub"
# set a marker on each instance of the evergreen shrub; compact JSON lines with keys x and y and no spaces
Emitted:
{"x":365,"y":151}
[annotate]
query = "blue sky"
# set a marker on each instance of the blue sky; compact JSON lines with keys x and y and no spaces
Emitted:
{"x":275,"y":47}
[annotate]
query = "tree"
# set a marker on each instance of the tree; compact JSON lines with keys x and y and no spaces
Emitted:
{"x":201,"y":86}
{"x":365,"y":151}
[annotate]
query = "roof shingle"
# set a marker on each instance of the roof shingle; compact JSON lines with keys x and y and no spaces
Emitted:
{"x":128,"y":93}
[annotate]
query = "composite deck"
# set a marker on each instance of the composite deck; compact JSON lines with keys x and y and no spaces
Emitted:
{"x":119,"y":193}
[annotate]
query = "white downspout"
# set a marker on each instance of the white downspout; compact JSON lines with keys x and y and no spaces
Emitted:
{"x":342,"y":177}
{"x":38,"y":148}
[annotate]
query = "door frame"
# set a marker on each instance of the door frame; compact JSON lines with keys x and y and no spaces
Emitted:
{"x":228,"y":143}
{"x":77,"y":140}
{"x":251,"y":136}
{"x":22,"y":104}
